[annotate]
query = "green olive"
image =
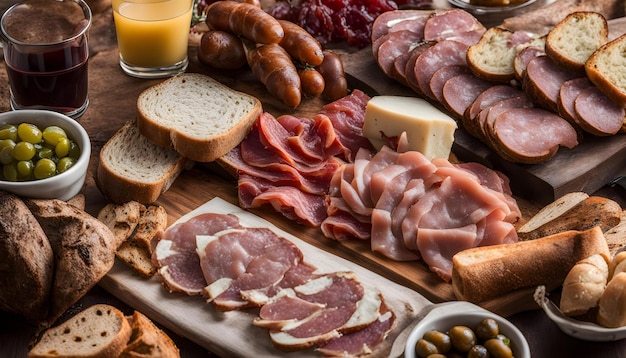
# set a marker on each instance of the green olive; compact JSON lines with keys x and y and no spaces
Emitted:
{"x":23,"y":151}
{"x":45,"y":152}
{"x":64,"y":164}
{"x":74,"y":150}
{"x":440,"y":340}
{"x":9,"y":171}
{"x":44,"y":168}
{"x":62,"y":148}
{"x":6,"y":151}
{"x":462,"y":338}
{"x":487,"y":329}
{"x":498,"y":348}
{"x":29,"y":132}
{"x":8,"y":131}
{"x":424,"y":348}
{"x":52,"y":134}
{"x":478,"y":351}
{"x":25,"y":169}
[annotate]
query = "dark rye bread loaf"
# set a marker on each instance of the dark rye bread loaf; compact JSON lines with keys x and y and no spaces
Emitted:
{"x":26,"y":261}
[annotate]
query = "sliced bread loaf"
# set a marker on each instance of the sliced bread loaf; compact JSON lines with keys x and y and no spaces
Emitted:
{"x":605,"y":68}
{"x":131,"y":167}
{"x":575,"y":38}
{"x":98,"y":331}
{"x":148,"y":340}
{"x":196,"y":115}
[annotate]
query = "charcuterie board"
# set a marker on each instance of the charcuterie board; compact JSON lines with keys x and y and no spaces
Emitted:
{"x":587,"y":167}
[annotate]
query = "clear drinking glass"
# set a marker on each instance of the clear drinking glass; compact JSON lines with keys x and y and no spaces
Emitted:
{"x":152,"y":36}
{"x":45,"y":53}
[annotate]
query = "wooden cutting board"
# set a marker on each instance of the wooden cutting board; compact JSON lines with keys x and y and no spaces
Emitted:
{"x":587,"y":167}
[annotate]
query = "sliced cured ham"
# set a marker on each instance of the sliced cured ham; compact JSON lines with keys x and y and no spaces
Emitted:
{"x":597,"y":114}
{"x":175,"y":253}
{"x":515,"y":131}
{"x":460,"y":92}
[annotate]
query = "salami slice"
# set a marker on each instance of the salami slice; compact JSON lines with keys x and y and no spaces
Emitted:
{"x":395,"y":44}
{"x":439,"y":78}
{"x":443,"y":53}
{"x":485,"y":99}
{"x":543,"y":81}
{"x":409,"y":67}
{"x":567,"y":95}
{"x":450,"y":22}
{"x":517,"y":134}
{"x":597,"y":113}
{"x":396,"y":20}
{"x":460,"y":91}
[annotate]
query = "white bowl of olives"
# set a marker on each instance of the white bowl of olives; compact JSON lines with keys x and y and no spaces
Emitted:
{"x":43,"y":154}
{"x":456,"y":329}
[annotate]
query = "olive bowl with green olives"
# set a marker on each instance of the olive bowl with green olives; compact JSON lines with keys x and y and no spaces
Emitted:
{"x":65,"y":178}
{"x":448,"y":324}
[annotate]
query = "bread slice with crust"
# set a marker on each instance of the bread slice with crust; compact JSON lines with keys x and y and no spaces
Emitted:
{"x":570,"y":43}
{"x":492,"y":58}
{"x":605,"y":68}
{"x":131,"y":167}
{"x":147,"y":340}
{"x":98,"y":331}
{"x":196,"y":115}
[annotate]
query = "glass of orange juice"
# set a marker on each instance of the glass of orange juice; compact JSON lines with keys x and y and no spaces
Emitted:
{"x":152,"y":36}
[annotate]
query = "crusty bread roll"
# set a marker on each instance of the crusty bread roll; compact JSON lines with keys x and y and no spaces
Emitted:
{"x":618,"y":264}
{"x":27,"y":261}
{"x":612,"y":305}
{"x":196,"y":115}
{"x":584,"y":285}
{"x":98,"y":331}
{"x":575,"y":38}
{"x":132,"y":168}
{"x":486,"y":272}
{"x":580,"y":215}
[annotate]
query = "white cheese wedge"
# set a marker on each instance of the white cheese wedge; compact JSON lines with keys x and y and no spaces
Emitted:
{"x":428,"y":130}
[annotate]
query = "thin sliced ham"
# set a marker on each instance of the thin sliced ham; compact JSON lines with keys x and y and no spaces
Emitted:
{"x":175,"y":253}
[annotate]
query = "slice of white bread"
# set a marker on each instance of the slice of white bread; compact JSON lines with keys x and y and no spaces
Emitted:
{"x":147,"y":340}
{"x":492,"y":58}
{"x":570,"y":43}
{"x":486,"y":272}
{"x":605,"y":68}
{"x":196,"y":115}
{"x":131,"y":167}
{"x":98,"y":331}
{"x":582,"y":215}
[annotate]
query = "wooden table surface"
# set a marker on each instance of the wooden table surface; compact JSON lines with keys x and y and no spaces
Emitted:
{"x":103,"y":118}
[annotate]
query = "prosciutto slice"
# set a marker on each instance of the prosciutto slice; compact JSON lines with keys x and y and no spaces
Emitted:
{"x":175,"y":253}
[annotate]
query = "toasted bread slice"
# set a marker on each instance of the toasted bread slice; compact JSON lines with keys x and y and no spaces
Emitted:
{"x":590,"y":212}
{"x":552,"y":211}
{"x":122,"y":219}
{"x":575,"y":38}
{"x":98,"y":331}
{"x":605,"y":69}
{"x":492,"y":58}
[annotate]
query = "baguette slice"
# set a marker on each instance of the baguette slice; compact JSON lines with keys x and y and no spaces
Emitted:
{"x":605,"y":68}
{"x":133,"y":168}
{"x":98,"y":331}
{"x":575,"y":38}
{"x":592,"y":211}
{"x":487,"y":272}
{"x":147,"y":340}
{"x":196,"y":115}
{"x":553,"y":210}
{"x":492,"y":58}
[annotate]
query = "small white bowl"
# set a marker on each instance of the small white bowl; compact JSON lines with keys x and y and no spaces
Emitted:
{"x":447,"y":315}
{"x":64,"y":185}
{"x":586,"y":331}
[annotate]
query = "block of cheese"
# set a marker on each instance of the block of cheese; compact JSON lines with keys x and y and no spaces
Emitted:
{"x":428,"y":130}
